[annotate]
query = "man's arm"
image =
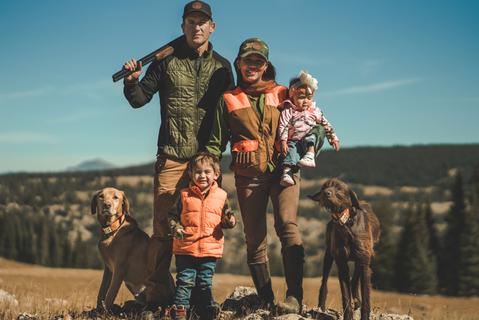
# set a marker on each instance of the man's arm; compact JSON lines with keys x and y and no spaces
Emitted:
{"x":138,"y":93}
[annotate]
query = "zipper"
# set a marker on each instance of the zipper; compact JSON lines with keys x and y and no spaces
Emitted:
{"x":262,"y":131}
{"x":197,"y":90}
{"x":202,"y":213}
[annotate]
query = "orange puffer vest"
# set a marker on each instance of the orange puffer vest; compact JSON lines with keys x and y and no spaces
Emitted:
{"x":252,"y":137}
{"x":201,"y":218}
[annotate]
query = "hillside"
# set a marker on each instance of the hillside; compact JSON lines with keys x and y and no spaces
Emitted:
{"x":45,"y":218}
{"x":419,"y":165}
{"x":48,"y":292}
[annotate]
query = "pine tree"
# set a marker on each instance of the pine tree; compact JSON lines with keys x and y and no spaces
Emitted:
{"x":43,"y":241}
{"x":414,"y":270}
{"x":455,"y":220}
{"x":10,"y":245}
{"x":468,"y":264}
{"x":434,"y":246}
{"x":383,"y":262}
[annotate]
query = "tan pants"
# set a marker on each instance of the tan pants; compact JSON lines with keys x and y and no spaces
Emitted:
{"x":170,"y":177}
{"x":253,"y":195}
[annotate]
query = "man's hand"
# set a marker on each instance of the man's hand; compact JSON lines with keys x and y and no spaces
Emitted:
{"x":284,"y":147}
{"x":133,"y":65}
{"x":335,"y":145}
{"x":228,"y":220}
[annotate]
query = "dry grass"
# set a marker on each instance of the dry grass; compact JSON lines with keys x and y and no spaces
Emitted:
{"x":48,"y":292}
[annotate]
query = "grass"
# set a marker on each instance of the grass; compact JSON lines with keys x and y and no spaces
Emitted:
{"x":49,"y":292}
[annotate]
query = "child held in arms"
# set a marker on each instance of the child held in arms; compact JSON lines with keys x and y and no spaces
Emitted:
{"x":201,"y":212}
{"x":299,"y":116}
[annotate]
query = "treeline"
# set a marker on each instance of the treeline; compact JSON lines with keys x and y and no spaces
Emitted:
{"x":419,"y":165}
{"x":40,"y":238}
{"x":423,"y":260}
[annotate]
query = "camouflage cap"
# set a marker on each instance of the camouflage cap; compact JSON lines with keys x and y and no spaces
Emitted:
{"x":197,"y":6}
{"x":254,"y":45}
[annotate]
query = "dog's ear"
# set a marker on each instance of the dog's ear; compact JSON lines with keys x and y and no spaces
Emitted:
{"x":354,"y":199}
{"x":125,"y":204}
{"x":315,"y":197}
{"x":94,"y":199}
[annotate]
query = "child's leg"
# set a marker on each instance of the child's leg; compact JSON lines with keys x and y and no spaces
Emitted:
{"x":207,"y":308}
{"x":308,"y":143}
{"x":308,"y":152}
{"x":185,"y":280}
{"x":204,"y":279}
{"x":292,"y":156}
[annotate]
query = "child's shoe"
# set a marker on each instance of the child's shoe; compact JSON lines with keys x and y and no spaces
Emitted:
{"x":179,"y":313}
{"x":287,"y":178}
{"x":307,"y":161}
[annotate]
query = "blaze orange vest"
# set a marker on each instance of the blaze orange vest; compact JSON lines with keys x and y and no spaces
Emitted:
{"x":201,"y":218}
{"x":252,"y":136}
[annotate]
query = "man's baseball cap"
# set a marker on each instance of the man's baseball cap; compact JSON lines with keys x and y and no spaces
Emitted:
{"x":254,"y":46}
{"x":197,"y":6}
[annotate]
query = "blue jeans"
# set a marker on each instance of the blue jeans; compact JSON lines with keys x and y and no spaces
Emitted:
{"x":297,"y":149}
{"x":194,"y":272}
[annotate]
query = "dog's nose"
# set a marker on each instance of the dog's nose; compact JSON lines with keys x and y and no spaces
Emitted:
{"x":108,"y":204}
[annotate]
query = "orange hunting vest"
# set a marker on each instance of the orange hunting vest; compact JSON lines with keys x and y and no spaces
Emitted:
{"x":201,"y":217}
{"x":252,"y":136}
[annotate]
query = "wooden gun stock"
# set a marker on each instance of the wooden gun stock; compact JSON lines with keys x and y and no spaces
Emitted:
{"x":158,"y":54}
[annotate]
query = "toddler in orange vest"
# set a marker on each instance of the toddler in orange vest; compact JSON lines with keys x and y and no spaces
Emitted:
{"x":201,"y":213}
{"x":299,"y":116}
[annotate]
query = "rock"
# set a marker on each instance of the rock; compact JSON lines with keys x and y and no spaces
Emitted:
{"x":8,"y":298}
{"x":242,"y":301}
{"x":316,"y":313}
{"x":244,"y":304}
{"x":291,"y":316}
{"x":27,"y":316}
{"x":391,"y":316}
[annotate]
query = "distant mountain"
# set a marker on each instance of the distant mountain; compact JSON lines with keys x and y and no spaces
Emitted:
{"x":92,"y":165}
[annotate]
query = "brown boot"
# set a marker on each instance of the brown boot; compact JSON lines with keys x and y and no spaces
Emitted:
{"x":262,"y":282}
{"x":293,"y":262}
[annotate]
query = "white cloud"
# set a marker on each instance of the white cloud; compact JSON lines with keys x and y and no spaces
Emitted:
{"x":23,"y":137}
{"x":370,"y":66}
{"x":25,"y":94}
{"x":374,"y":87}
{"x":93,"y":89}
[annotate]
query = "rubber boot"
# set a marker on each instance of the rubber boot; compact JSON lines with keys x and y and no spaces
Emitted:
{"x":262,"y":282}
{"x":293,"y":262}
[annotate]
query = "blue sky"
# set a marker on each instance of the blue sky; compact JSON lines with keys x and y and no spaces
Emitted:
{"x":390,"y":72}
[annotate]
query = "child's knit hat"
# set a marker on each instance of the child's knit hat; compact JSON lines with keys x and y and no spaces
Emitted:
{"x":303,"y":79}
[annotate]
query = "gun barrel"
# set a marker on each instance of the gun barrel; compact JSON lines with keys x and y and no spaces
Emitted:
{"x":160,"y":53}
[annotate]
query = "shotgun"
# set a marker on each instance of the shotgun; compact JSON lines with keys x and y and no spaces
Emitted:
{"x":158,"y":54}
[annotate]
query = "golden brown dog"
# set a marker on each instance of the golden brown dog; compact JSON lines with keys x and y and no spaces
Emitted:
{"x":123,"y":247}
{"x":350,"y":235}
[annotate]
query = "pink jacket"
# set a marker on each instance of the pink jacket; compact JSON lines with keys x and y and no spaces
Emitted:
{"x":294,"y":124}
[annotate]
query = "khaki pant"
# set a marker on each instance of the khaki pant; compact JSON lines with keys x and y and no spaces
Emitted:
{"x":170,"y":177}
{"x":253,"y":195}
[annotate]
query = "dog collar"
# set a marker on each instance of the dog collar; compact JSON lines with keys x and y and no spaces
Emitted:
{"x":114,"y":226}
{"x":343,"y":217}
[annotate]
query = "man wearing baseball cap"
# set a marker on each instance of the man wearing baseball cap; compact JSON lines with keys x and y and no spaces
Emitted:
{"x":190,"y":80}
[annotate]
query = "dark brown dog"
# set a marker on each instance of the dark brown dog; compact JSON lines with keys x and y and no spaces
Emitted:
{"x":350,"y":235}
{"x":123,"y":247}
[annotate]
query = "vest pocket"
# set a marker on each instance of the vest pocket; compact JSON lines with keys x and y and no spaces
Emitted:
{"x":244,"y":153}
